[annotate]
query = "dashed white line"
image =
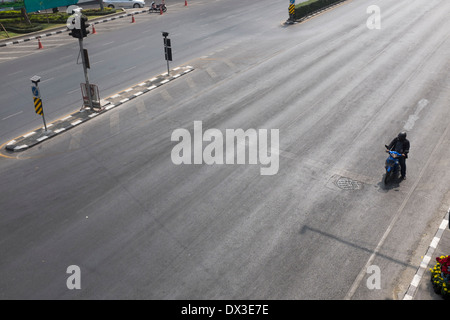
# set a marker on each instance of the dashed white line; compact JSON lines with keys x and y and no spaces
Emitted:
{"x":14,"y":73}
{"x":70,"y":92}
{"x":12,"y":115}
{"x":424,"y":264}
{"x":129,"y":69}
{"x":47,"y":80}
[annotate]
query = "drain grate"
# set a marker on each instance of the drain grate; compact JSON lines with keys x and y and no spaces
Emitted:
{"x":348,"y":184}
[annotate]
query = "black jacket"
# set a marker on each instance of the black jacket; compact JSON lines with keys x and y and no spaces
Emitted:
{"x":403,"y":149}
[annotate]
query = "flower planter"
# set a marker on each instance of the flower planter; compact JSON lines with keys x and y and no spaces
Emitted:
{"x":440,"y":277}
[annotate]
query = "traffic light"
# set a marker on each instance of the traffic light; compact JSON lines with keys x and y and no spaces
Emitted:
{"x":76,"y":33}
{"x":84,"y":26}
{"x":73,"y":24}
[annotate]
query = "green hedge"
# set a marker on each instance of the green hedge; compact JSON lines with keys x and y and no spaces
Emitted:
{"x":9,"y":14}
{"x":98,"y":12}
{"x":15,"y":4}
{"x":14,"y":17}
{"x":54,"y":16}
{"x":50,"y":18}
{"x":305,"y":8}
{"x":13,"y":21}
{"x":23,"y":27}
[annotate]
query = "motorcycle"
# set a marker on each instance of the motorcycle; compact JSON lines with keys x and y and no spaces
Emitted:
{"x":157,"y":7}
{"x":392,"y":164}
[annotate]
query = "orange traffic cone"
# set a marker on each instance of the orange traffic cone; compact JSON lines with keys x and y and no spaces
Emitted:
{"x":185,"y":3}
{"x":93,"y":30}
{"x":40,"y":44}
{"x":132,"y":19}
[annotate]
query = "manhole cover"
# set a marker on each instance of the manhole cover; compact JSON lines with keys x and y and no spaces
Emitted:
{"x":348,"y":184}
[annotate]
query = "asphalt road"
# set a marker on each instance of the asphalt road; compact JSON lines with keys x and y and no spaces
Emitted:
{"x":108,"y":198}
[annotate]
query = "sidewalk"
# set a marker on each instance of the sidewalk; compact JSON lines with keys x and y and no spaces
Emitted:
{"x":421,"y":288}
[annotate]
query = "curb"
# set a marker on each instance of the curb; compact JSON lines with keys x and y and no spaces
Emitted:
{"x":72,"y":120}
{"x":426,"y":259}
{"x":38,"y":35}
{"x":314,"y":13}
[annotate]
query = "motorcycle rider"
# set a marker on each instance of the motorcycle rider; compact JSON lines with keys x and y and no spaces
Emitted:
{"x":401,"y":145}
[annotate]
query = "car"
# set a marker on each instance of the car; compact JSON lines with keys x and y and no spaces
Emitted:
{"x":124,"y":3}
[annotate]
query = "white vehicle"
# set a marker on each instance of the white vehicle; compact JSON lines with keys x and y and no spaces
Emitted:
{"x":124,"y":3}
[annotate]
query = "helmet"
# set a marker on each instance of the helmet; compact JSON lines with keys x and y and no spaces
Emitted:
{"x":402,"y":135}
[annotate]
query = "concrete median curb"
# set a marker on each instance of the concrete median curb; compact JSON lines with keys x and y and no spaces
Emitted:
{"x":74,"y":119}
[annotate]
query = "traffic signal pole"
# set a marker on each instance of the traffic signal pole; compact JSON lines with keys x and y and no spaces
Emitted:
{"x":86,"y":77}
{"x":78,"y":26}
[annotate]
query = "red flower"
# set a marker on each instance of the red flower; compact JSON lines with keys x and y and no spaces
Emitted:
{"x":445,"y":264}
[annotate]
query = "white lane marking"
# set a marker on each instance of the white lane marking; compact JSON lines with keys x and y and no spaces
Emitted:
{"x":129,"y":69}
{"x":47,"y":80}
{"x":12,"y":115}
{"x":14,"y":73}
{"x":424,"y":264}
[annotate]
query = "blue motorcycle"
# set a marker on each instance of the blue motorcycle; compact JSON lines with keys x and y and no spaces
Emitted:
{"x":392,"y":164}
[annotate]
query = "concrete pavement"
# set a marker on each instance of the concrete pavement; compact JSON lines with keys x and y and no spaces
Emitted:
{"x":206,"y":223}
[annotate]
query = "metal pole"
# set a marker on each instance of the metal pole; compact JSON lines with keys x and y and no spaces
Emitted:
{"x":88,"y":87}
{"x":167,"y":54}
{"x":43,"y":118}
{"x":43,"y":115}
{"x":168,"y":67}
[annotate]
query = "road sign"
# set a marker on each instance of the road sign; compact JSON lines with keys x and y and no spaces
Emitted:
{"x":95,"y":96}
{"x":291,"y":9}
{"x":35,"y":91}
{"x":292,"y":1}
{"x":38,"y":106}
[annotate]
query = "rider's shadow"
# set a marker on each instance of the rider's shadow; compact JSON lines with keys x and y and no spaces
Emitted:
{"x":393,"y":183}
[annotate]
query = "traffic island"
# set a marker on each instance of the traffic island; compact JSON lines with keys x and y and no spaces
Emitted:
{"x":74,"y":119}
{"x":308,"y":9}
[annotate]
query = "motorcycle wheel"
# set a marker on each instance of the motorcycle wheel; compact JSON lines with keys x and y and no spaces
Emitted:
{"x":387,"y":177}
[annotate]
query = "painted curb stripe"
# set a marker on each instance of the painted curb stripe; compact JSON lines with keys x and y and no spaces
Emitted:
{"x":426,"y":259}
{"x":74,"y":118}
